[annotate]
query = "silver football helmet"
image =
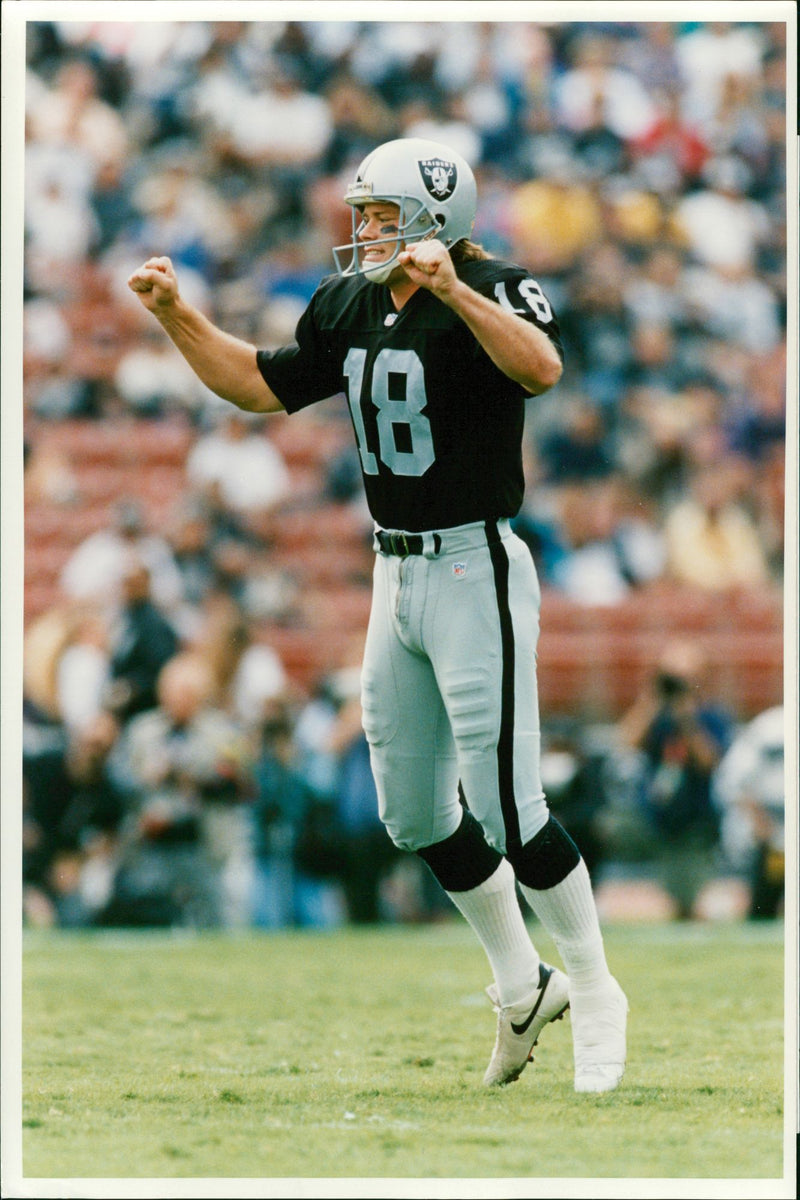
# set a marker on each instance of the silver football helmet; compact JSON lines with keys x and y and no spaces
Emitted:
{"x":434,"y":188}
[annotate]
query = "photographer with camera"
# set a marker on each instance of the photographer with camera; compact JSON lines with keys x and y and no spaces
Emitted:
{"x":680,"y":734}
{"x":187,"y":853}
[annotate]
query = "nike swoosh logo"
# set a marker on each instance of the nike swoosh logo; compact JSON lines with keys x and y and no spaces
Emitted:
{"x":520,"y":1029}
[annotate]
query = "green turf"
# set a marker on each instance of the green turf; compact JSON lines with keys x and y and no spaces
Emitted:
{"x":359,"y":1054}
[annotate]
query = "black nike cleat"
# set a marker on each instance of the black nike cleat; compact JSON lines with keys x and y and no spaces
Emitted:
{"x":519,"y":1025}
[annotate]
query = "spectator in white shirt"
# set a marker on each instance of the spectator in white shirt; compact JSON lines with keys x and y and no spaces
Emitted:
{"x":625,"y":106}
{"x":720,"y":225}
{"x":95,"y":569}
{"x":248,"y":469}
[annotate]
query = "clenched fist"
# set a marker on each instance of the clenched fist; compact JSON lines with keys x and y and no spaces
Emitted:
{"x":429,"y":265}
{"x":155,"y":283}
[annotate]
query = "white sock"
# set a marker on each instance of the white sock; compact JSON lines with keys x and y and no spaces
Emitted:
{"x":493,"y":911}
{"x":569,"y":915}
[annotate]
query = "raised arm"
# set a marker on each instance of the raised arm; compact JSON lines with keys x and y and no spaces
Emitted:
{"x":518,"y":348}
{"x":227,"y":365}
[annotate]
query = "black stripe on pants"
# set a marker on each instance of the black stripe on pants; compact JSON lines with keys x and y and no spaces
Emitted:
{"x":505,"y":742}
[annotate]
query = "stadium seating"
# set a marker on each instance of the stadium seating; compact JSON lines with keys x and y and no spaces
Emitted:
{"x":599,"y":673}
{"x":592,"y":659}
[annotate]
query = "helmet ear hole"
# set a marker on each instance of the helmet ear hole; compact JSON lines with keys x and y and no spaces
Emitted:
{"x":440,"y":224}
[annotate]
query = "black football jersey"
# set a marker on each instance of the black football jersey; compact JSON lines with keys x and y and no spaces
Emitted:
{"x":438,"y":425}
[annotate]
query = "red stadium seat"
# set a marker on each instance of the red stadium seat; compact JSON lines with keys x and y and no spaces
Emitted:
{"x":307,"y":440}
{"x":86,"y":442}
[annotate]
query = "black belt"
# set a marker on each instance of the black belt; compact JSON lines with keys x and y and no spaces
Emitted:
{"x":403,"y":544}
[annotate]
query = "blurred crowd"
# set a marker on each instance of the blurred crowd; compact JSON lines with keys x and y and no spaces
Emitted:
{"x":173,"y":772}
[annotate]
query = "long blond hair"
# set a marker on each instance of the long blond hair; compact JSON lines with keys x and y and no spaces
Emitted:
{"x":467,"y":251}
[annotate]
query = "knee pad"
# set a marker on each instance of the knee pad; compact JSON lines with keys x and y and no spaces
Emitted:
{"x":465,"y":859}
{"x":546,"y":859}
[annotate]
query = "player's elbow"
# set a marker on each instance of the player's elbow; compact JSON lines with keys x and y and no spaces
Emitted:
{"x":547,"y":374}
{"x":552,"y":372}
{"x":253,"y":395}
{"x":263,"y":402}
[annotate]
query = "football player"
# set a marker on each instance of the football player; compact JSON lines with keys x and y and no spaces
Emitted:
{"x":436,"y":347}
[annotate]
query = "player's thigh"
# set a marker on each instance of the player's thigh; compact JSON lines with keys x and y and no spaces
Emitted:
{"x":486,"y":666}
{"x":411,"y":746}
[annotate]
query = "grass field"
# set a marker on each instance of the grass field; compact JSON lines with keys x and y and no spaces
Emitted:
{"x":359,"y":1054}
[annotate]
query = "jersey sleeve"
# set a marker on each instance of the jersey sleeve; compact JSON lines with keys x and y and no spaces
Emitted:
{"x":515,"y":290}
{"x":303,"y":372}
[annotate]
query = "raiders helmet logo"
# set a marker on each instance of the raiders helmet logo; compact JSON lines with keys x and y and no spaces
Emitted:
{"x":439,"y":177}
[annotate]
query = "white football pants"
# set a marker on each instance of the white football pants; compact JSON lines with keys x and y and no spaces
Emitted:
{"x":449,"y":691}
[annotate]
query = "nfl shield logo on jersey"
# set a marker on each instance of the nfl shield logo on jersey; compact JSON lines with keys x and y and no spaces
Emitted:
{"x":459,"y":570}
{"x":439,"y":177}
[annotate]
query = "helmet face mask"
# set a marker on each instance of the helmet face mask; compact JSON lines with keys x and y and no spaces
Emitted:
{"x":432,"y":186}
